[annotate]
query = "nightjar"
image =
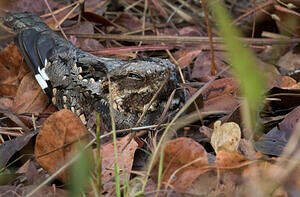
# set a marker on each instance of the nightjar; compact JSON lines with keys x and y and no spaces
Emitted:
{"x":79,"y":81}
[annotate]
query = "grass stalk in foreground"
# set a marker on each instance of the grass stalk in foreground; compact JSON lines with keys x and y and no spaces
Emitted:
{"x":160,"y":169}
{"x":243,"y":62}
{"x":99,"y":158}
{"x":80,"y":174}
{"x":113,"y":127}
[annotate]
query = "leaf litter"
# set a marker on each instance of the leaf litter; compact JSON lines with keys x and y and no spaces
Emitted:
{"x":222,"y":161}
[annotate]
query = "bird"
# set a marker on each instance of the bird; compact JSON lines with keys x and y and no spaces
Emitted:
{"x":83,"y":83}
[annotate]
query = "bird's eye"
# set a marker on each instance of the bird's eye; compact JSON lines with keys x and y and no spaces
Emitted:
{"x":134,"y":76}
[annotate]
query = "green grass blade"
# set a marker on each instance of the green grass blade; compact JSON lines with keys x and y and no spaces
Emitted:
{"x":99,"y":158}
{"x":80,"y":174}
{"x":113,"y":127}
{"x":243,"y":62}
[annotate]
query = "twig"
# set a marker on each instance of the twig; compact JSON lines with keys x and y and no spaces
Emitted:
{"x":254,"y":22}
{"x":131,"y":49}
{"x":288,"y":11}
{"x":10,"y":133}
{"x":185,"y":39}
{"x":49,"y":8}
{"x":81,"y":10}
{"x":177,"y":64}
{"x":14,"y":118}
{"x":270,"y":2}
{"x":66,"y":16}
{"x":59,"y":10}
{"x":212,"y":55}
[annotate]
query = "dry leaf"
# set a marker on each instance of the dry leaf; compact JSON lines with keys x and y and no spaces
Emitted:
{"x":6,"y":102}
{"x":226,"y":136}
{"x":294,"y":87}
{"x":24,"y":190}
{"x":10,"y":63}
{"x":190,"y":31}
{"x":227,"y":103}
{"x":125,"y":159}
{"x":289,"y":19}
{"x":128,"y":21}
{"x":30,"y":98}
{"x":184,"y":161}
{"x":283,"y":82}
{"x":223,"y":178}
{"x":261,"y":177}
{"x":186,"y":56}
{"x":16,"y":83}
{"x":85,"y":44}
{"x":8,"y":90}
{"x":202,"y":66}
{"x":31,"y":172}
{"x":58,"y":137}
{"x":232,"y":159}
{"x":220,"y":87}
{"x":288,"y":63}
{"x":246,"y":147}
{"x":10,"y":147}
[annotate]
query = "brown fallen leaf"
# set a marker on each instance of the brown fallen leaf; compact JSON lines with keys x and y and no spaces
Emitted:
{"x":22,"y":191}
{"x":86,"y":44}
{"x":8,"y":90}
{"x":31,"y":172}
{"x":294,"y":87}
{"x":58,"y":141}
{"x":32,"y":6}
{"x":11,"y":62}
{"x":125,"y":160}
{"x":206,"y":131}
{"x":288,"y":23}
{"x":282,"y":101}
{"x":289,"y":62}
{"x":221,"y":87}
{"x":223,"y":178}
{"x":186,"y":56}
{"x":213,"y":184}
{"x":230,"y":159}
{"x":202,"y":66}
{"x":227,"y":103}
{"x":246,"y":147}
{"x":263,"y":177}
{"x":30,"y":98}
{"x":10,"y":147}
{"x":12,"y":70}
{"x":6,"y":102}
{"x":283,"y":82}
{"x":190,"y":31}
{"x":127,"y":20}
{"x":184,"y":160}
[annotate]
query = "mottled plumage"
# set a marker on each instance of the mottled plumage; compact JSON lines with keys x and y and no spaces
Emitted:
{"x":78,"y":81}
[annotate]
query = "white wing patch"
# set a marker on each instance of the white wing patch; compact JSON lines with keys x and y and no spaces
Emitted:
{"x":41,"y":81}
{"x":42,"y":77}
{"x":43,"y":73}
{"x":45,"y":62}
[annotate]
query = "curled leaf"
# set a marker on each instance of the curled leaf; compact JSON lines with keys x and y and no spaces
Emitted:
{"x":226,"y":136}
